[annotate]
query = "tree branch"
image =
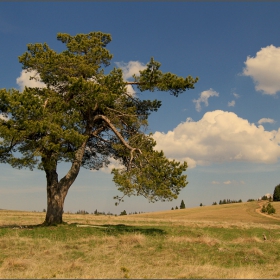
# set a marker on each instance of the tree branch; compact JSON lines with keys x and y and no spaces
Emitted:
{"x":121,"y":114}
{"x":114,"y":129}
{"x":73,"y":172}
{"x":134,"y":83}
{"x":132,"y":98}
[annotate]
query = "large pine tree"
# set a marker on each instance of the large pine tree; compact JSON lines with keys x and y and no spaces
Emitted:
{"x":85,"y":117}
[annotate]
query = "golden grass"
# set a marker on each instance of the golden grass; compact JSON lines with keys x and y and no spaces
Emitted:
{"x":241,"y":240}
{"x":193,"y":246}
{"x":236,"y":212}
{"x":209,"y":241}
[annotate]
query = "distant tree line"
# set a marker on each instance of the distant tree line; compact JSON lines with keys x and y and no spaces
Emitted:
{"x":227,"y":201}
{"x":96,"y":212}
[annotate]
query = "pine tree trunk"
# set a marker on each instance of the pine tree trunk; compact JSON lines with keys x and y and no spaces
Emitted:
{"x":55,"y":199}
{"x":57,"y":190}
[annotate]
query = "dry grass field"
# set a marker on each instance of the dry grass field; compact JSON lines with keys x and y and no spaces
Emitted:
{"x":222,"y":241}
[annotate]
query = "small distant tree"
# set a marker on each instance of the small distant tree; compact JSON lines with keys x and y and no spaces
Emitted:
{"x":250,"y":199}
{"x":240,"y":200}
{"x":172,"y":208}
{"x":264,"y":197}
{"x":269,"y":209}
{"x":176,"y":207}
{"x":200,"y":204}
{"x":123,"y":213}
{"x":44,"y":210}
{"x":214,"y":203}
{"x":276,"y":194}
{"x":182,"y":206}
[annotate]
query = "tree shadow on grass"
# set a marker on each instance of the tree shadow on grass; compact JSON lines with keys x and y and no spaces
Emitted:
{"x":106,"y":228}
{"x":122,"y":228}
{"x":16,"y":226}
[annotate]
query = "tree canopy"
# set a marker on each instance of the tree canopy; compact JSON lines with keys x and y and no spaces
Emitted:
{"x":86,"y":117}
{"x":276,"y":194}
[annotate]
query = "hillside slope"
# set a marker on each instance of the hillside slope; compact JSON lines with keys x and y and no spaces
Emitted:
{"x":236,"y":212}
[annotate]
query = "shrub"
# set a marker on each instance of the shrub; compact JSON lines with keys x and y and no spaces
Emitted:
{"x":123,"y":213}
{"x":269,"y":209}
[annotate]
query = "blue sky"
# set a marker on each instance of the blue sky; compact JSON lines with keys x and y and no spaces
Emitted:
{"x":227,"y":128}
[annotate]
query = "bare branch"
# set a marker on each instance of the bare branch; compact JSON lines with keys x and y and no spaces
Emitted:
{"x":132,"y":98}
{"x":97,"y":131}
{"x":134,"y":83}
{"x":114,"y":129}
{"x":46,"y":102}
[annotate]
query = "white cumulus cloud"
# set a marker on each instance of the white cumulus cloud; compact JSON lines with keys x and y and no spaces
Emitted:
{"x":215,"y":183}
{"x":24,"y":80}
{"x":231,"y":103}
{"x":218,"y":137}
{"x":266,"y":120}
{"x":129,"y":69}
{"x":264,"y":69}
{"x":204,"y":96}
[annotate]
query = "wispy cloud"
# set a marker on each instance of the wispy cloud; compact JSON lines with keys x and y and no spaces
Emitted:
{"x":266,"y":120}
{"x":236,"y":95}
{"x":204,"y":96}
{"x":215,"y":183}
{"x":231,"y":103}
{"x":228,"y":182}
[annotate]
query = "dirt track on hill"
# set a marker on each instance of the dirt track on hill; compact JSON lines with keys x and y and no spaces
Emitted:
{"x":258,"y":210}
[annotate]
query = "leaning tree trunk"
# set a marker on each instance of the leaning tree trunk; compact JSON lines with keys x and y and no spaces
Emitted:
{"x":55,"y":201}
{"x":57,"y":190}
